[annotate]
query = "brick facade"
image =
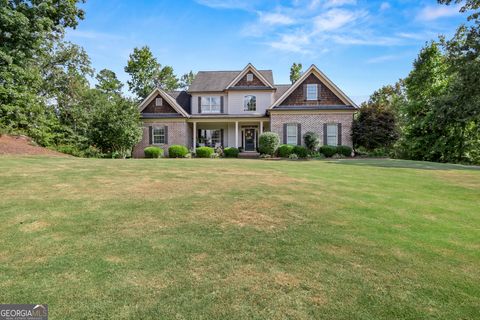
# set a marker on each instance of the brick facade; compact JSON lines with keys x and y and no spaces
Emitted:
{"x":165,"y":108}
{"x":256,"y":82}
{"x":326,"y":96}
{"x":177,"y":134}
{"x":314,"y":122}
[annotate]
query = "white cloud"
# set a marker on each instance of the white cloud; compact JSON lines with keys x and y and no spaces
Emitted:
{"x":275,"y":19}
{"x":227,"y":4}
{"x":338,"y":3}
{"x":430,"y":13}
{"x":335,"y":19}
{"x":385,"y":6}
{"x":385,"y":58}
{"x":292,"y":43}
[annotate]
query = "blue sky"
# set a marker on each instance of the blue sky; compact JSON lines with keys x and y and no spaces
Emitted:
{"x":360,"y":45}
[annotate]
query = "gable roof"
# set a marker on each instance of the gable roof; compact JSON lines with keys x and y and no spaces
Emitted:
{"x":217,"y":81}
{"x":251,"y":68}
{"x":173,"y":102}
{"x":325,"y":80}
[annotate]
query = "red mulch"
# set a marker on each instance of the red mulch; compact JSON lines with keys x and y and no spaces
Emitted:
{"x":22,"y":145}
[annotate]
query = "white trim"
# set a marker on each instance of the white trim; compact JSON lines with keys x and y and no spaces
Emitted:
{"x":325,"y":80}
{"x":312,"y":85}
{"x":251,"y":68}
{"x":166,"y":97}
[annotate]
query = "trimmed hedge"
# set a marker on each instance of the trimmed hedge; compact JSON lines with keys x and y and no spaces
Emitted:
{"x":301,"y":151}
{"x":153,"y":152}
{"x":284,"y":150}
{"x":231,"y":152}
{"x":204,"y":152}
{"x":177,"y":151}
{"x":344,"y":150}
{"x":328,"y":151}
{"x":268,"y":143}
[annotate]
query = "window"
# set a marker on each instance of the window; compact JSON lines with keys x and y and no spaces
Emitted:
{"x":292,"y":134}
{"x":312,"y":93}
{"x":249,"y":103}
{"x":332,"y":134}
{"x":158,"y":135}
{"x":210,"y":137}
{"x":249,"y":77}
{"x":158,"y":102}
{"x":210,"y":104}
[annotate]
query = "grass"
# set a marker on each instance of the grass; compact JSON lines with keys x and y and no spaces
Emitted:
{"x":240,"y":239}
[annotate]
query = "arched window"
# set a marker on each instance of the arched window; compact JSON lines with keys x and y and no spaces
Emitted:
{"x":250,"y":103}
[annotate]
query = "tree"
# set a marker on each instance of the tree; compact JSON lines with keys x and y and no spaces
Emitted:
{"x":146,"y":73}
{"x":312,"y":140}
{"x":108,"y":82}
{"x":295,"y":72}
{"x":374,"y":127}
{"x":186,"y":80}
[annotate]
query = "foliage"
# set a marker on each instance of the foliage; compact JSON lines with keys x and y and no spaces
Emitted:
{"x":344,"y":150}
{"x":317,"y":156}
{"x":293,"y":156}
{"x":146,"y":73}
{"x":328,"y":151}
{"x":295,"y":72}
{"x":108,"y":82}
{"x":301,"y":151}
{"x":186,"y":80}
{"x":374,"y":127}
{"x":268,"y":143}
{"x":311,"y":140}
{"x":284,"y":150}
{"x":153,"y":152}
{"x":231,"y":152}
{"x":204,"y":152}
{"x":177,"y":151}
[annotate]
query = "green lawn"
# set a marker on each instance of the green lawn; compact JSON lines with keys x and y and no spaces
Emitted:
{"x":240,"y":239}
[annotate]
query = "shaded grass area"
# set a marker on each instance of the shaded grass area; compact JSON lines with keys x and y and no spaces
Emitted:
{"x":240,"y":239}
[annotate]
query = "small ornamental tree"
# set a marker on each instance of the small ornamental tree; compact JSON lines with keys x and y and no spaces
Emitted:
{"x":311,"y":140}
{"x":374,"y":127}
{"x":268,"y":143}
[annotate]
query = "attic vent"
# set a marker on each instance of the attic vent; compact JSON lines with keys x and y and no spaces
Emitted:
{"x":158,"y":102}
{"x":249,"y":77}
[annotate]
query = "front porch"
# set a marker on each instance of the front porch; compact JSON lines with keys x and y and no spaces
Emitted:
{"x":239,"y":133}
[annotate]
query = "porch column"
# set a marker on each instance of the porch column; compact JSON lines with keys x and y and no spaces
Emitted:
{"x":261,"y":127}
{"x":194,"y":135}
{"x":236,"y":134}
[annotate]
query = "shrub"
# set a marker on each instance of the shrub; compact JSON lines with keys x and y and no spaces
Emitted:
{"x":265,"y":156}
{"x":300,"y":151}
{"x":153,"y":152}
{"x":204,"y":152}
{"x":231,"y":152}
{"x":344,"y":150}
{"x":177,"y":151}
{"x":293,"y":156}
{"x":311,"y":140}
{"x":268,"y":143}
{"x":338,"y":156}
{"x":215,"y":155}
{"x":318,"y":156}
{"x":328,"y":151}
{"x":284,"y":150}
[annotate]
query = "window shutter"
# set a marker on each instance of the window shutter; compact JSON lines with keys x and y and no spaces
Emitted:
{"x":150,"y":129}
{"x":166,"y":134}
{"x":199,"y":104}
{"x":304,"y":92}
{"x":221,"y":134}
{"x":284,"y":133}
{"x":299,"y":134}
{"x":324,"y":134}
{"x":339,"y":134}
{"x":318,"y":91}
{"x":221,"y":105}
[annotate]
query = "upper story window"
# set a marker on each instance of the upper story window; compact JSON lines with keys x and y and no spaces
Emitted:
{"x":210,"y":104}
{"x":158,"y":102}
{"x":249,"y":77}
{"x":312,"y":92}
{"x":292,"y":132}
{"x":249,"y":103}
{"x":158,"y":135}
{"x":332,"y":134}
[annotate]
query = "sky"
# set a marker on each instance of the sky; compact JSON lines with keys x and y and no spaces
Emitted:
{"x":359,"y":45}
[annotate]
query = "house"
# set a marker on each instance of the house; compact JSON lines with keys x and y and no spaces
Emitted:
{"x":232,"y":108}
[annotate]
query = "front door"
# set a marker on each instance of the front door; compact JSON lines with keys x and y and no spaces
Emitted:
{"x":249,"y":139}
